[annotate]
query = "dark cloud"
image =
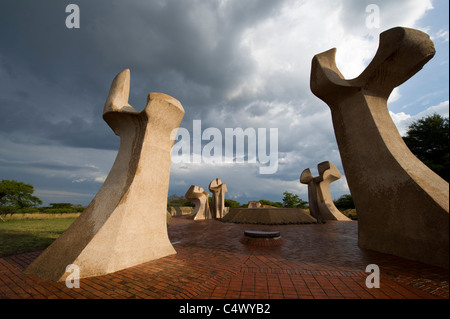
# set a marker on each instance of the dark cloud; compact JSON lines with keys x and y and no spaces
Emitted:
{"x":190,"y":51}
{"x":230,"y":63}
{"x":44,"y":165}
{"x":18,"y":117}
{"x":77,"y":132}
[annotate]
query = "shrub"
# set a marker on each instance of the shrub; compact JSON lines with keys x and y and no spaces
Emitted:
{"x":345,"y":202}
{"x":293,"y":201}
{"x":178,"y":201}
{"x":231,"y":203}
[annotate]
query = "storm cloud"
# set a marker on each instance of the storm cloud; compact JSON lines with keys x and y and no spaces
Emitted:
{"x":231,"y":64}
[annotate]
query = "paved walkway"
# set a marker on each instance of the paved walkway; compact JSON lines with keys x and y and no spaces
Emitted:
{"x":314,"y":261}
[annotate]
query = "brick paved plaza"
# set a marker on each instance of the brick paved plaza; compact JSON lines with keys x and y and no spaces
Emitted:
{"x":314,"y":262}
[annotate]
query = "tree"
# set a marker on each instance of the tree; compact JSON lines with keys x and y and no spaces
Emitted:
{"x":17,"y":195}
{"x":293,"y":201}
{"x":231,"y":203}
{"x":61,"y":205}
{"x":345,"y":202}
{"x":174,"y":197}
{"x":428,"y":139}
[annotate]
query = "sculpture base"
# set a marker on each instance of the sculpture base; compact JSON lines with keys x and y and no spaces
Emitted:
{"x":269,"y":216}
{"x":262,"y":238}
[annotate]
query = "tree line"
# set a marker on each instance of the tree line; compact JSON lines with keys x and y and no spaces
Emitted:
{"x":17,"y":197}
{"x":290,"y":200}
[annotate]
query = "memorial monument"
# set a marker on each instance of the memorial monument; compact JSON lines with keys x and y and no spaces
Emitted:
{"x":218,"y":199}
{"x":199,"y":197}
{"x":402,"y":205}
{"x":125,"y":224}
{"x":321,"y":205}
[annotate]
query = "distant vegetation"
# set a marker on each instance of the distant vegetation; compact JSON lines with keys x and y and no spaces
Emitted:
{"x":67,"y":209}
{"x":289,"y":201}
{"x":232,"y":203}
{"x":177,"y":201}
{"x":61,"y":208}
{"x":346,"y":205}
{"x":344,"y":202}
{"x":293,"y":201}
{"x":17,"y":197}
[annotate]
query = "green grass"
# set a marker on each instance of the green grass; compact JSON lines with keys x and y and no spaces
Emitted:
{"x":24,"y":235}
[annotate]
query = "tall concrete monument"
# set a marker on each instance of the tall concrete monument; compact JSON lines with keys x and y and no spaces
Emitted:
{"x":199,"y":197}
{"x":125,"y":224}
{"x":402,"y":205}
{"x":218,"y":199}
{"x":321,"y":205}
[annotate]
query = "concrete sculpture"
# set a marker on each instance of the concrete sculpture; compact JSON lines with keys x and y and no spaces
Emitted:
{"x":199,"y":197}
{"x":254,"y":204}
{"x":218,"y":199}
{"x":125,"y":224}
{"x":403,"y":206}
{"x":321,"y":205}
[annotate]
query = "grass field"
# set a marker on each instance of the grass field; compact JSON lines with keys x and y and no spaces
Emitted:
{"x":28,"y":234}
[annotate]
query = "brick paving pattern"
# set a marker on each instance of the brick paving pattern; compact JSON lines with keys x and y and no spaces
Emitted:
{"x":314,"y":262}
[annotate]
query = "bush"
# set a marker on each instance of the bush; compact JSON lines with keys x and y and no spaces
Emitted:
{"x":79,"y":208}
{"x":5,"y":210}
{"x":57,"y":210}
{"x":232,"y":203}
{"x":178,"y":201}
{"x":28,"y":210}
{"x":62,"y":208}
{"x":9,"y":210}
{"x":345,"y":202}
{"x":350,"y":213}
{"x":293,"y":201}
{"x":61,"y":205}
{"x":269,"y":203}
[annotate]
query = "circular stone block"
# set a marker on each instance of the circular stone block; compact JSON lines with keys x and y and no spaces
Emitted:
{"x":262,"y":238}
{"x":261,"y":234}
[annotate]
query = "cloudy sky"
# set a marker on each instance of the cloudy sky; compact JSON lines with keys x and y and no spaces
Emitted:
{"x":232,"y":64}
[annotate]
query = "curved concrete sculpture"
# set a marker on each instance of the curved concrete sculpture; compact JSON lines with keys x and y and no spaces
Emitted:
{"x":402,"y":205}
{"x":218,"y":199}
{"x":321,"y":205}
{"x":199,"y":197}
{"x":125,"y":224}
